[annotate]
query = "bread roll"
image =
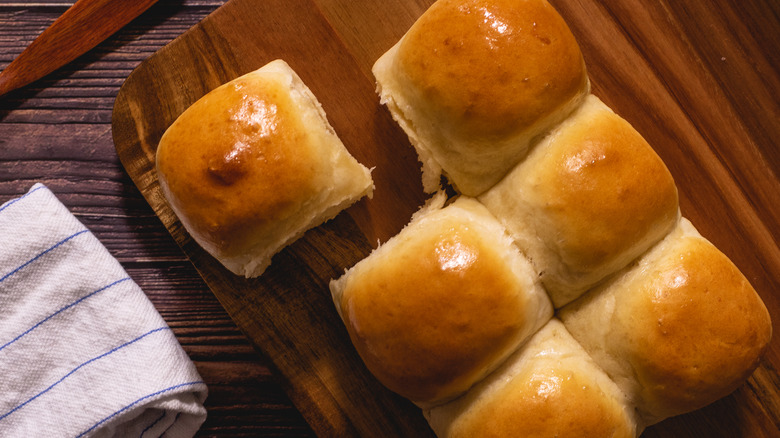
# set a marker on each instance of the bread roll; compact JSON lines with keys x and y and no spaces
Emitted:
{"x":590,"y":198}
{"x":677,"y":330}
{"x":442,"y":303}
{"x":253,"y":164}
{"x":549,"y":388}
{"x":474,"y":81}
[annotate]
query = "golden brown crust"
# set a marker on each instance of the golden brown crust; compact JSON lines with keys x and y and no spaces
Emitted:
{"x":549,"y":388}
{"x":254,"y":164}
{"x":441,"y":311}
{"x":441,"y":304}
{"x":238,"y":158}
{"x":491,"y":68}
{"x":676,"y":330}
{"x":591,"y":197}
{"x":696,"y":328}
{"x":549,"y":402}
{"x":606,"y":191}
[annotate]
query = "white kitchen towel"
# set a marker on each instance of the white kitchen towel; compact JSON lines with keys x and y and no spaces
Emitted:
{"x":83,"y":352}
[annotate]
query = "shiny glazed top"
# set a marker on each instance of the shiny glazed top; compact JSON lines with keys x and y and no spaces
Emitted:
{"x":491,"y":68}
{"x":604,"y":188}
{"x":694,"y":328}
{"x":435,"y":312}
{"x":237,"y":159}
{"x":548,"y":402}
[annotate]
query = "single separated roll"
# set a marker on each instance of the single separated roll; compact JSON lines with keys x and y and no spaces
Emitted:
{"x":590,"y":198}
{"x":254,"y":164}
{"x":676,"y":331}
{"x":549,"y":388}
{"x":442,"y":303}
{"x":473,"y":82}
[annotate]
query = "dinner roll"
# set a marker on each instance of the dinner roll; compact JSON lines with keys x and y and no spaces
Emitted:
{"x":549,"y":388}
{"x":253,"y":164}
{"x":590,"y":198}
{"x":442,"y":303}
{"x":474,"y":81}
{"x":677,"y":330}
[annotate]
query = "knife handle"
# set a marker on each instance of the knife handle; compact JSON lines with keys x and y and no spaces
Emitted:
{"x":83,"y":26}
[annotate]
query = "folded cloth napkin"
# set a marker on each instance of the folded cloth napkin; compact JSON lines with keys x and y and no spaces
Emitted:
{"x":83,"y":352}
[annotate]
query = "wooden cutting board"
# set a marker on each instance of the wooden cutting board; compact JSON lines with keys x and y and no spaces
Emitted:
{"x":699,"y":81}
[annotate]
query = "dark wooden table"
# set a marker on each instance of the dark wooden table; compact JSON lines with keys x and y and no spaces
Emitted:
{"x":58,"y":131}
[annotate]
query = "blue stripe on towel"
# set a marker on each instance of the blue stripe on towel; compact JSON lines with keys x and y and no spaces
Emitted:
{"x":113,"y":350}
{"x":153,"y":423}
{"x":173,"y":423}
{"x":62,"y":310}
{"x":162,"y":391}
{"x":53,"y":247}
{"x":14,"y":201}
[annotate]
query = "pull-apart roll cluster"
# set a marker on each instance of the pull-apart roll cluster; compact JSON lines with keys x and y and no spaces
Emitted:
{"x":560,"y":293}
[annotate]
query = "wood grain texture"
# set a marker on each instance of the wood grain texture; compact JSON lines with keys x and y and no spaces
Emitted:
{"x":698,"y":79}
{"x":57,"y":131}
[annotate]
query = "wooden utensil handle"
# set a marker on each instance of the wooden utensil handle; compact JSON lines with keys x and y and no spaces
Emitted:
{"x":83,"y":26}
